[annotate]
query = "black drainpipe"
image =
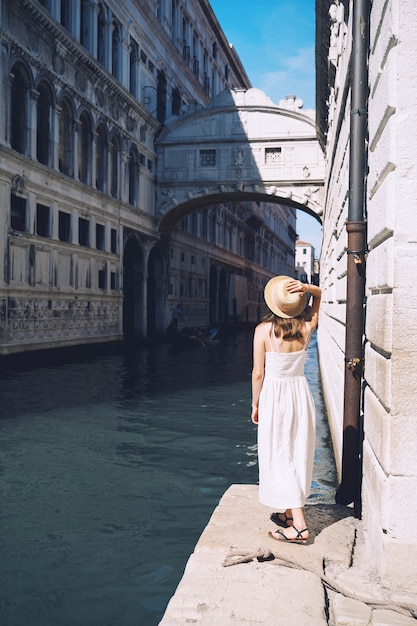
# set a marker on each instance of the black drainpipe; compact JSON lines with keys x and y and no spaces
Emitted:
{"x":349,"y":490}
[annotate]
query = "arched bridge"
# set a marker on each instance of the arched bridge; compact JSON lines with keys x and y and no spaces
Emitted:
{"x":241,"y":147}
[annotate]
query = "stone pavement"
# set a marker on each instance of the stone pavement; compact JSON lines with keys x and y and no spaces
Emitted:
{"x":289,"y":587}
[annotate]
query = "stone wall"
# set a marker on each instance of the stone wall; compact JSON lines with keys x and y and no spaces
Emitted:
{"x":390,"y":462}
{"x":389,"y":490}
{"x":333,"y":258}
{"x":41,"y":322}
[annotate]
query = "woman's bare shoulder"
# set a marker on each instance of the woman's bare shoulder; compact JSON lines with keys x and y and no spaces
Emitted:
{"x":261,"y":328}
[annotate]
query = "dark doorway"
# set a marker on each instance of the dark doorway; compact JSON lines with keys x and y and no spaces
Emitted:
{"x":223,"y":298}
{"x":155,"y":295}
{"x":214,"y":314}
{"x":132,"y":290}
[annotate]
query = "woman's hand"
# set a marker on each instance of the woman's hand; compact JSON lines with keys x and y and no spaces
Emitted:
{"x":296,"y":286}
{"x":254,"y":414}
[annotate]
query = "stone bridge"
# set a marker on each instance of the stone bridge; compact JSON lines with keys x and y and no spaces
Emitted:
{"x":242,"y":147}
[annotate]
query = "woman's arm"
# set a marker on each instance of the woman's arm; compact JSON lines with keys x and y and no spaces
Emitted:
{"x":315,"y":292}
{"x":258,"y":369}
{"x":297,"y":286}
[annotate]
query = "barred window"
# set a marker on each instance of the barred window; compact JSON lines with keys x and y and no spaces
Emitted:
{"x":207,"y":158}
{"x":64,"y":226}
{"x":113,"y":240}
{"x":272,"y":156}
{"x":18,"y":213}
{"x":100,"y":237}
{"x":83,"y":232}
{"x":43,"y":220}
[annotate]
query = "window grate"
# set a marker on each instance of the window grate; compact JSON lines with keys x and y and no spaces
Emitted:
{"x":207,"y":158}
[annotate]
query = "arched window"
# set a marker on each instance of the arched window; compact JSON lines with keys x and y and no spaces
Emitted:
{"x":116,"y":51}
{"x":176,"y":101}
{"x":115,"y":166}
{"x":66,"y":138}
{"x":133,"y":177}
{"x":44,"y":152}
{"x":133,"y":68}
{"x":85,"y":140}
{"x":101,"y":158}
{"x":19,"y":127}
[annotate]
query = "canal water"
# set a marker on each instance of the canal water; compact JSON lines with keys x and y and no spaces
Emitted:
{"x":110,"y":468}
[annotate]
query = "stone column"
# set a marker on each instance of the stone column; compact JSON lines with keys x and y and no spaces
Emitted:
{"x":106,"y":186}
{"x":31,"y":209}
{"x":91,"y":11}
{"x":4,"y":226}
{"x":94,"y":160}
{"x":124,"y":58}
{"x":124,"y":177}
{"x":107,"y":243}
{"x":144,"y":299}
{"x":75,"y":227}
{"x":77,"y":126}
{"x":76,"y":19}
{"x":108,"y":34}
{"x":55,"y":221}
{"x":134,"y":66}
{"x":93,"y":240}
{"x":55,"y":113}
{"x":5,"y":91}
{"x":32,"y":118}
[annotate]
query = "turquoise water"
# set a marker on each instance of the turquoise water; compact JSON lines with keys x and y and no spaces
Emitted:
{"x":110,"y":468}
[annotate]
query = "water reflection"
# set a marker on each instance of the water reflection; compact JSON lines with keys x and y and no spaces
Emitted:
{"x":110,"y":468}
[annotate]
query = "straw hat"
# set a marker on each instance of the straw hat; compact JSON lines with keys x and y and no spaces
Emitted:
{"x":282,"y":302}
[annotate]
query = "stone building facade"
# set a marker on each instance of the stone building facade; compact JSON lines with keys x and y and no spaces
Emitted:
{"x":389,"y":398}
{"x":86,"y":86}
{"x":304,"y":261}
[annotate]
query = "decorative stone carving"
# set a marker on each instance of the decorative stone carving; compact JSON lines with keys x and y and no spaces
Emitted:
{"x":100,"y":97}
{"x":115,"y":111}
{"x":59,"y":63}
{"x":224,"y":98}
{"x":292,"y":103}
{"x":18,"y":183}
{"x":257,"y":97}
{"x":170,"y":195}
{"x":81,"y":80}
{"x":239,"y":156}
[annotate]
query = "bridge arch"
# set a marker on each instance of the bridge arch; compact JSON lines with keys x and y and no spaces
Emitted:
{"x":242,"y":147}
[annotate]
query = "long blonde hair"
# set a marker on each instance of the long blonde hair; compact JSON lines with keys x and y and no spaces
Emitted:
{"x":287,"y":328}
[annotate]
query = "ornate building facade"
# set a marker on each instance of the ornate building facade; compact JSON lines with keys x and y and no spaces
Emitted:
{"x":86,"y":86}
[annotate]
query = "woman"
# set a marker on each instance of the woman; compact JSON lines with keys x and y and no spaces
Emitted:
{"x":282,"y":404}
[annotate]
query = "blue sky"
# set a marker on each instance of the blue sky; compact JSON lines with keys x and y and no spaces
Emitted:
{"x":275,"y":42}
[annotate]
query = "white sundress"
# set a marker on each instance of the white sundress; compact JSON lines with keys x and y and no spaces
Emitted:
{"x":286,"y":428}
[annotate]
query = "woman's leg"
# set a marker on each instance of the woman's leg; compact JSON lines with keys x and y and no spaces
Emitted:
{"x":298,"y":524}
